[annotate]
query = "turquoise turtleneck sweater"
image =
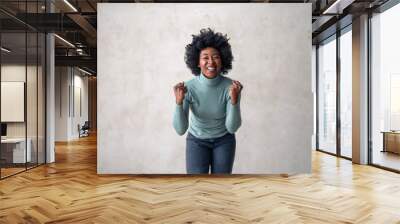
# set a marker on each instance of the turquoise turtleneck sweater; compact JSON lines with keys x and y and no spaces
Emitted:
{"x":213,"y":114}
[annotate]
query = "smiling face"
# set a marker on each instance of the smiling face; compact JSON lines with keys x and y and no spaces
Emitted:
{"x":210,"y":62}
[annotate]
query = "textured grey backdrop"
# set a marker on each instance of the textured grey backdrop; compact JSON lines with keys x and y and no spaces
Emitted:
{"x":140,"y":58}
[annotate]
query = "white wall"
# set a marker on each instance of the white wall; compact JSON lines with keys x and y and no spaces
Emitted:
{"x":17,"y":73}
{"x":61,"y":103}
{"x":67,"y":117}
{"x":140,"y":61}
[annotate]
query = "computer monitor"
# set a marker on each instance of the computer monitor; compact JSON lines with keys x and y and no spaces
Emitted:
{"x":3,"y":129}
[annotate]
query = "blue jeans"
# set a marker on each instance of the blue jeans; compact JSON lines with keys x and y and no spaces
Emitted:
{"x":219,"y":153}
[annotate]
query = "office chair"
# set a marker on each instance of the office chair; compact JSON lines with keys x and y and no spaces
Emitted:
{"x":84,"y":130}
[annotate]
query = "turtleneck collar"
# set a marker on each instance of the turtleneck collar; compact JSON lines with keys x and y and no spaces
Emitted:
{"x":210,"y":82}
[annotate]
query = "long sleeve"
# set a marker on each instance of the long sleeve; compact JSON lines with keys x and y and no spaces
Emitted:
{"x":181,"y":117}
{"x":233,"y":117}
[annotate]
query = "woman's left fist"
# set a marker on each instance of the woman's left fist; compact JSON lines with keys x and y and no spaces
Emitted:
{"x":234,"y":91}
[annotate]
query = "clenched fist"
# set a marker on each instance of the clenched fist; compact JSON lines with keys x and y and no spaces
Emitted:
{"x":234,"y":91}
{"x":180,"y":90}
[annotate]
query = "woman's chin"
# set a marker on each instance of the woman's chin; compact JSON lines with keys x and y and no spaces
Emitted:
{"x":211,"y":75}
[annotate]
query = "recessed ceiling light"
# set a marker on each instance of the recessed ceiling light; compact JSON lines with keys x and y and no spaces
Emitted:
{"x":70,"y":5}
{"x":64,"y":40}
{"x":84,"y":71}
{"x":5,"y":50}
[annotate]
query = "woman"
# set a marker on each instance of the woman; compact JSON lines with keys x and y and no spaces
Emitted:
{"x":214,"y":101}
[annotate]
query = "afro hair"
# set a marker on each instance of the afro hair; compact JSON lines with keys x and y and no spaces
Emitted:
{"x":208,"y":38}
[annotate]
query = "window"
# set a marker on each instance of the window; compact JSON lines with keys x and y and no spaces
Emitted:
{"x":385,"y":88}
{"x":327,"y":96}
{"x":346,"y":93}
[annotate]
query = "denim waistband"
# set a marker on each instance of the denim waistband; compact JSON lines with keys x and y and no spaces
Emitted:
{"x":227,"y":135}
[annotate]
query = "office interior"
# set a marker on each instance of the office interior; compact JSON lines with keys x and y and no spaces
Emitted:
{"x":48,"y":79}
{"x":45,"y":83}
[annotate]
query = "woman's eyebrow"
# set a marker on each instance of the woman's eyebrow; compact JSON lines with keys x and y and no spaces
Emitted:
{"x":206,"y":54}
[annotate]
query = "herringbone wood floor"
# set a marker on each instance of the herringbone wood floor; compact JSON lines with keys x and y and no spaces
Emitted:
{"x":70,"y":191}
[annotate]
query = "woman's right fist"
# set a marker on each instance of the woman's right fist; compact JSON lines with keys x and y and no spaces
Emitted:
{"x":180,"y":90}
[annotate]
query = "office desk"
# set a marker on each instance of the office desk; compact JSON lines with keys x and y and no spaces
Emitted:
{"x":391,"y":141}
{"x":15,"y":148}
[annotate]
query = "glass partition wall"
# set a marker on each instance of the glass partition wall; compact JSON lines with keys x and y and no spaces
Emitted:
{"x":13,"y":90}
{"x":22,"y":78}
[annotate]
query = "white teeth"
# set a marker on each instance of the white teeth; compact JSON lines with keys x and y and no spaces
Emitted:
{"x":211,"y":68}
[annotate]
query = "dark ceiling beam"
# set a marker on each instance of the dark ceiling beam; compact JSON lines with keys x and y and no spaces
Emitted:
{"x":11,"y":25}
{"x":321,"y":23}
{"x":15,"y":18}
{"x":83,"y":61}
{"x":87,"y":51}
{"x":49,"y":22}
{"x":85,"y":25}
{"x":332,"y":29}
{"x":91,"y":5}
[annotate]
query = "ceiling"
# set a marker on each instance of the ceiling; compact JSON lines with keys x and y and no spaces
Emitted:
{"x":76,"y":22}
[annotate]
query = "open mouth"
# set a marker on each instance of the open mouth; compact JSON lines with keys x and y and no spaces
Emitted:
{"x":211,"y":69}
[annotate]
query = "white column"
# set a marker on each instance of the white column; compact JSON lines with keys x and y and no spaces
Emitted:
{"x":63,"y":102}
{"x":50,"y":93}
{"x":50,"y":110}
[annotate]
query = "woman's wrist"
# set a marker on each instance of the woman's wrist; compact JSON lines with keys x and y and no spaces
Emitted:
{"x":233,"y":101}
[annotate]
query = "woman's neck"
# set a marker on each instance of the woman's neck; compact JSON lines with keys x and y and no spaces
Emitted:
{"x":210,"y":81}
